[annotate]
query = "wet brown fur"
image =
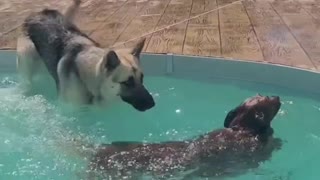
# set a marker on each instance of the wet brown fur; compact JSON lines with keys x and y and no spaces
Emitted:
{"x":246,"y":140}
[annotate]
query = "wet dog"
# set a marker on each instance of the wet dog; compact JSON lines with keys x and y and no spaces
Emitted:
{"x":246,"y":140}
{"x":84,"y":73}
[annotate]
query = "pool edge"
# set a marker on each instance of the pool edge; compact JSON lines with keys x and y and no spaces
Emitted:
{"x":198,"y":67}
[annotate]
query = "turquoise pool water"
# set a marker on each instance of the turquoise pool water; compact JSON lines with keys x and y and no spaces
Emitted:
{"x":34,"y":130}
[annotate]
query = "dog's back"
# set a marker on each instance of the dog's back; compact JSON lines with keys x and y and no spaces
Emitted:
{"x":52,"y":35}
{"x":223,"y":152}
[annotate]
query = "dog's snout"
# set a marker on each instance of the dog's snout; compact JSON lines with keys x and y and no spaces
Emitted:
{"x":277,"y":98}
{"x":139,"y":98}
{"x":144,"y":105}
{"x":148,"y":104}
{"x":151,"y":102}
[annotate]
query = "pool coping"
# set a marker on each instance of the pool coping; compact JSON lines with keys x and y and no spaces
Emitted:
{"x":199,"y":68}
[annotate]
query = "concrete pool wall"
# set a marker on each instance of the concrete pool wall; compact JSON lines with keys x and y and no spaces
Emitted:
{"x":208,"y":68}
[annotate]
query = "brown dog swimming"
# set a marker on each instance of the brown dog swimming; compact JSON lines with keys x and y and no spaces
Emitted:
{"x":246,"y":140}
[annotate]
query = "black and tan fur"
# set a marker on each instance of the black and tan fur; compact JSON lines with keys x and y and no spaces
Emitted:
{"x":83,"y":72}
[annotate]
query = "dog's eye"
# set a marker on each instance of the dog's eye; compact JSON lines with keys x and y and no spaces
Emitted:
{"x":259,"y":115}
{"x":129,"y":82}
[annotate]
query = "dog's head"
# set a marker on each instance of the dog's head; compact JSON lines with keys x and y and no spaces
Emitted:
{"x":255,"y":114}
{"x":122,"y":76}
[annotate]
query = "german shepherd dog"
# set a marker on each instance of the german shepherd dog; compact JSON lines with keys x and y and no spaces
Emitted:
{"x":246,"y":140}
{"x":84,"y":73}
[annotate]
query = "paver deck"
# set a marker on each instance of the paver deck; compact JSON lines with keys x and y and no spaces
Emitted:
{"x":283,"y":32}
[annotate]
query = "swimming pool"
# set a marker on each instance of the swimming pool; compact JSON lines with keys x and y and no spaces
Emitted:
{"x":193,"y":96}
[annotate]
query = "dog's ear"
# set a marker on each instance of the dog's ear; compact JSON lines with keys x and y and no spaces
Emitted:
{"x":136,"y":51}
{"x":230,"y":117}
{"x":111,"y":60}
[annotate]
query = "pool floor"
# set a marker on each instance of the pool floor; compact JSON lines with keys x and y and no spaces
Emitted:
{"x":35,"y":130}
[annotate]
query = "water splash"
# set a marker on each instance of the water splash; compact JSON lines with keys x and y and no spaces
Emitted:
{"x":33,"y":137}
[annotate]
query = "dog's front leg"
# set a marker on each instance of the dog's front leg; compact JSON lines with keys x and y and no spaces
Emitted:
{"x":70,"y":86}
{"x":27,"y":61}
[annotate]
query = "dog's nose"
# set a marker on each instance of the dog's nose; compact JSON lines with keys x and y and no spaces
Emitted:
{"x":276,"y":98}
{"x":147,"y":104}
{"x":152,"y":104}
{"x":145,"y":108}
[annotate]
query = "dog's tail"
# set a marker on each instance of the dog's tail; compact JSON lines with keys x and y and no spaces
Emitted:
{"x":72,"y":10}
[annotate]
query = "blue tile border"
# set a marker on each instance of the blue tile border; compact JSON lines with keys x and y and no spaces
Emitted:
{"x":199,"y":67}
{"x":7,"y":61}
{"x":154,"y":64}
{"x":195,"y":67}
